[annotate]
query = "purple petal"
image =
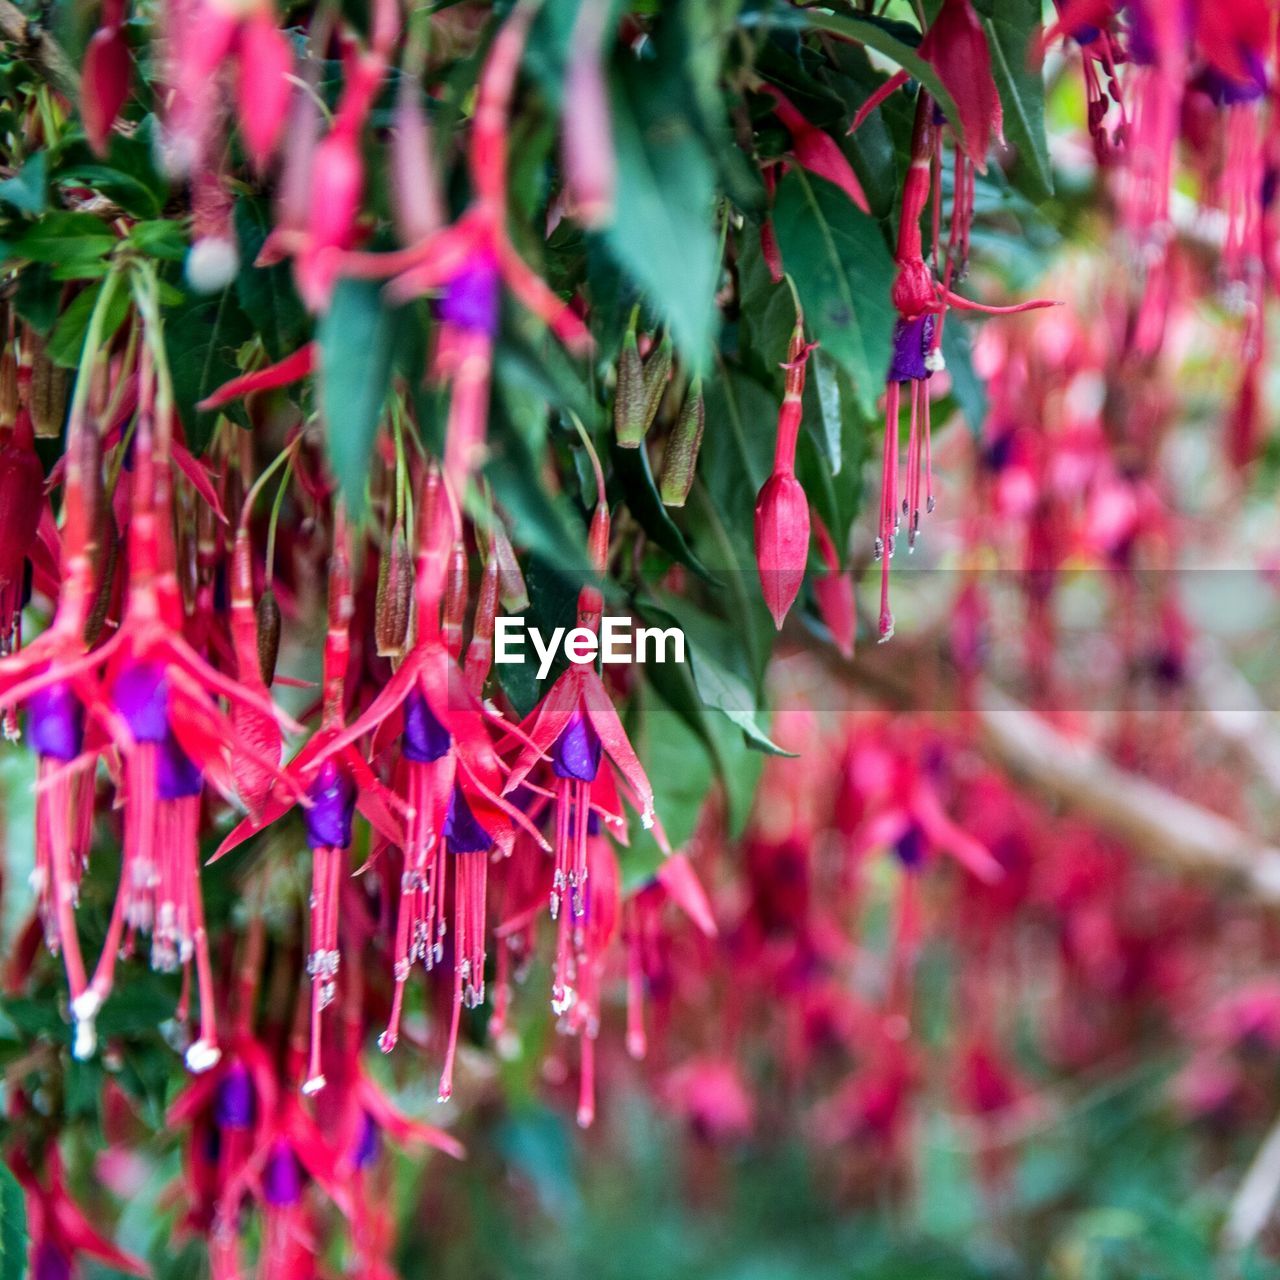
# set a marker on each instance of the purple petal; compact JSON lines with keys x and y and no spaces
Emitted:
{"x":470,"y":299}
{"x":576,"y":753}
{"x":333,"y":803}
{"x":55,"y":723}
{"x":425,"y":738}
{"x":234,"y":1104}
{"x":368,"y":1144}
{"x":910,"y":847}
{"x":177,"y":775}
{"x":282,"y":1179}
{"x":141,"y":695}
{"x":912,"y":342}
{"x":462,"y":832}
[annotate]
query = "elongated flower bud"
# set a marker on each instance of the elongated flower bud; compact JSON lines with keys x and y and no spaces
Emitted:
{"x":104,"y":85}
{"x":681,"y":459}
{"x":589,"y":165}
{"x":21,"y":498}
{"x":215,"y":257}
{"x":263,"y":92}
{"x":782,"y":541}
{"x":629,"y":424}
{"x":395,"y":597}
{"x":657,"y":372}
{"x":833,"y":590}
{"x":8,"y":386}
{"x":48,"y":394}
{"x":455,"y":599}
{"x":267,"y":614}
{"x":782,"y":510}
{"x":511,"y":585}
{"x":418,"y":208}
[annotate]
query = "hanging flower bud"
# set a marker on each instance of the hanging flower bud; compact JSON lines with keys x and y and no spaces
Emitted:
{"x":957,"y":47}
{"x":511,"y":586}
{"x":417,"y":206}
{"x":782,"y":510}
{"x":589,"y":165}
{"x":817,"y":151}
{"x":267,"y":612}
{"x":629,"y":424}
{"x":833,"y":590}
{"x":21,"y":499}
{"x":104,"y":85}
{"x":48,"y":394}
{"x":657,"y":372}
{"x":681,"y":458}
{"x":214,"y":259}
{"x":265,"y":62}
{"x":395,"y":597}
{"x":8,"y":386}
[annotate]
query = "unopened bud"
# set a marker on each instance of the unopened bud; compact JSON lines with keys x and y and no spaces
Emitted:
{"x":8,"y":386}
{"x":782,"y":541}
{"x":267,"y":613}
{"x":394,"y":598}
{"x":512,"y":590}
{"x":104,"y":84}
{"x":681,"y":458}
{"x":629,"y":422}
{"x":48,"y":394}
{"x":657,"y":372}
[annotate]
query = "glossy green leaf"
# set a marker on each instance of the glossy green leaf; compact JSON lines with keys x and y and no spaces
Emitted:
{"x":357,"y":344}
{"x":634,"y":473}
{"x":663,"y":233}
{"x":892,"y":40}
{"x":202,"y":337}
{"x":13,"y":1227}
{"x":843,"y":273}
{"x":27,"y":190}
{"x":1013,"y":28}
{"x":67,"y":339}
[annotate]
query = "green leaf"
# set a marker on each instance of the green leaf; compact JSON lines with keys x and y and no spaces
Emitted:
{"x":891,"y":39}
{"x":662,"y":232}
{"x":159,"y":238}
{"x":267,"y":293}
{"x":681,"y":771}
{"x":67,"y":339}
{"x":27,"y":190}
{"x":13,"y":1227}
{"x":843,"y":273}
{"x":132,"y":195}
{"x":969,"y":390}
{"x":714,"y":652}
{"x":826,"y":384}
{"x":1011,"y":31}
{"x":201,"y":338}
{"x":632,"y":468}
{"x":62,"y":239}
{"x":357,"y":344}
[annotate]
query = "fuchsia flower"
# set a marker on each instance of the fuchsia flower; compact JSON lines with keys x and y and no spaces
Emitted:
{"x":589,"y":163}
{"x":59,"y":1231}
{"x":204,"y":36}
{"x":447,"y":774}
{"x":577,"y":726}
{"x":782,"y":510}
{"x":21,"y":506}
{"x":333,"y":782}
{"x":104,"y":81}
{"x":833,"y":591}
{"x":816,"y":150}
{"x":921,"y":301}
